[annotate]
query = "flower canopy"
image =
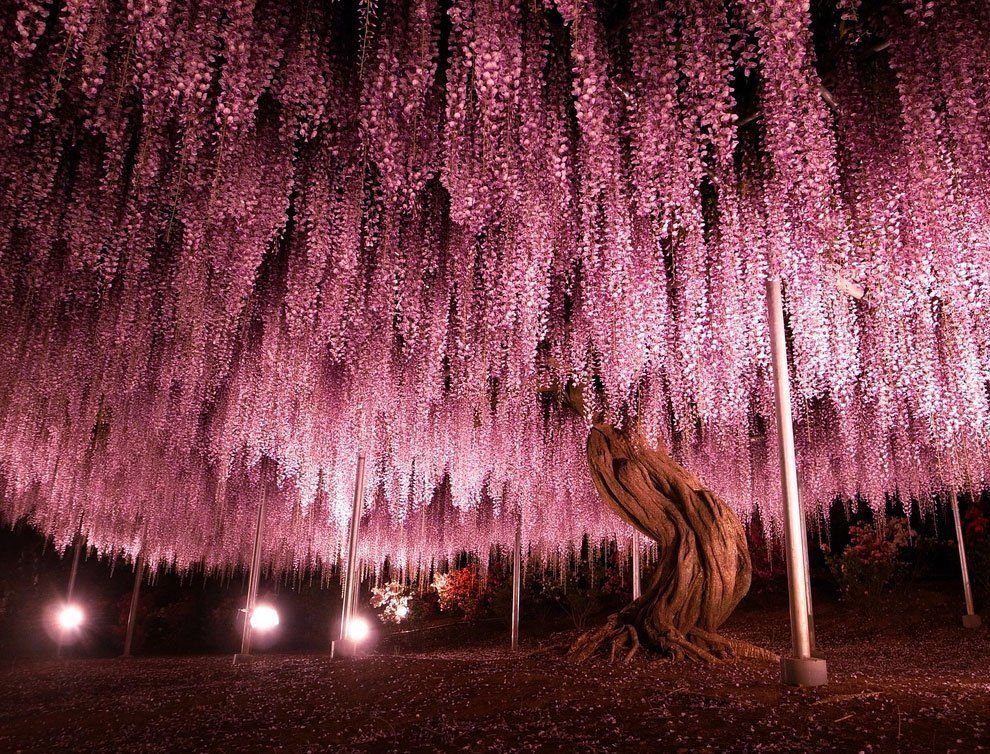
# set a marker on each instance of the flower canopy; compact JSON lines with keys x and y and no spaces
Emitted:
{"x":241,"y":241}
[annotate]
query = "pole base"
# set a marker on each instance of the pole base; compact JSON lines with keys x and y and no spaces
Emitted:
{"x":972,"y":621}
{"x":799,"y":671}
{"x":347,"y":649}
{"x":242,"y":659}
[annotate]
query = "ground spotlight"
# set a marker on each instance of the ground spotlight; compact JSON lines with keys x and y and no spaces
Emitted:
{"x":70,"y":617}
{"x":401,"y":611}
{"x":358,"y":629}
{"x":264,"y":618}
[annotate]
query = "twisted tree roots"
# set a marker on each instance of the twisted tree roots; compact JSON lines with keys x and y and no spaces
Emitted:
{"x":622,"y":641}
{"x":704,"y":568}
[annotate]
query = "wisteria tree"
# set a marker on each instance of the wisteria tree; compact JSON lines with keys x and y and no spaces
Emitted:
{"x":704,"y":568}
{"x":236,"y":230}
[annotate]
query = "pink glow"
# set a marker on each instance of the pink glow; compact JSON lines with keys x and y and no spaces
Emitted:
{"x":227,"y":233}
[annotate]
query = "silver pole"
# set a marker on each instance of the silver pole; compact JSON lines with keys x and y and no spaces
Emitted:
{"x":132,"y":613}
{"x":637,"y":584}
{"x":73,"y":572}
{"x":255,"y":575}
{"x":516,"y":583}
{"x":807,"y":580}
{"x":801,"y":669}
{"x":350,"y":585}
{"x":970,"y":619}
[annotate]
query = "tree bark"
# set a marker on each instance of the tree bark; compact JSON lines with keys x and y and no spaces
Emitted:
{"x":704,"y":568}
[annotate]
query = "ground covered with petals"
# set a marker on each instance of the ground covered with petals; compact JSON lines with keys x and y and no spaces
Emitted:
{"x":921,"y":687}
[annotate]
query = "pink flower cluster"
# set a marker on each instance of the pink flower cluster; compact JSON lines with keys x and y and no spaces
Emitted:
{"x":257,"y":229}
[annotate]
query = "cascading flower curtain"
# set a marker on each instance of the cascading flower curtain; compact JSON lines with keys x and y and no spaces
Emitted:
{"x":292,"y":230}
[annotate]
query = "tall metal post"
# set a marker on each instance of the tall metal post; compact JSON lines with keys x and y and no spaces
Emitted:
{"x":350,"y":581}
{"x":802,"y":669}
{"x":132,"y":612}
{"x":516,"y":583}
{"x":970,"y":619}
{"x":807,"y":579}
{"x":73,"y":573}
{"x":637,"y":583}
{"x":254,"y":576}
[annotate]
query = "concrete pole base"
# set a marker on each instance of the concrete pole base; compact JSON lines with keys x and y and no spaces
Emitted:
{"x":798,"y":671}
{"x":972,"y":621}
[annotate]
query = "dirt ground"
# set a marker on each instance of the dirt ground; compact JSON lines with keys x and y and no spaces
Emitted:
{"x":905,"y":678}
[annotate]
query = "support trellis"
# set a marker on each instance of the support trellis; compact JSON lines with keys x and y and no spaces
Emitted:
{"x":970,"y":618}
{"x":801,"y":668}
{"x":254,"y":575}
{"x":351,"y":580}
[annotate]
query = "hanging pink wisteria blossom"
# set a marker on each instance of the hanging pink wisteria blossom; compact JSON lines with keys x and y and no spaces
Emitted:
{"x":242,"y":229}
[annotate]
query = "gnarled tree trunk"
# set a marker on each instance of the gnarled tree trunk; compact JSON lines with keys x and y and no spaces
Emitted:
{"x":704,"y":568}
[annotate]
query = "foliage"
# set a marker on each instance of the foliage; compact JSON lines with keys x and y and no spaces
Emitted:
{"x":868,"y":565}
{"x":599,"y":583}
{"x":231,"y":230}
{"x":464,"y":591}
{"x":393,"y":600}
{"x":976,"y":530}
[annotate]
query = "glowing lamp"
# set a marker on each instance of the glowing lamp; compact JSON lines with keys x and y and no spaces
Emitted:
{"x":70,"y":617}
{"x":358,"y":629}
{"x":401,"y":611}
{"x":264,"y":618}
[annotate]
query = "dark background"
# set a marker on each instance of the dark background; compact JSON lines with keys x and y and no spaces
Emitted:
{"x":197,"y":612}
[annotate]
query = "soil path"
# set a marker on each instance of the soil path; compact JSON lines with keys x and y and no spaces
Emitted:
{"x":916,"y":683}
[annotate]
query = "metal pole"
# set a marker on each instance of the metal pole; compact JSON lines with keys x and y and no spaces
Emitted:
{"x":970,"y":619}
{"x":801,"y":669}
{"x":255,"y":574}
{"x":350,"y":586}
{"x":73,"y":572}
{"x":807,"y":580}
{"x":637,"y":584}
{"x":516,"y":583}
{"x":132,"y":613}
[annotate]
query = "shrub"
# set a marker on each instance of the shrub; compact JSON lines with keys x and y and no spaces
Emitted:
{"x":976,"y":531}
{"x":464,"y":591}
{"x":393,"y":600}
{"x":870,"y":562}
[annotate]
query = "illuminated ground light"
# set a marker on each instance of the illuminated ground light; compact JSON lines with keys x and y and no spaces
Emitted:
{"x":264,"y":618}
{"x":70,"y":617}
{"x":358,"y":629}
{"x":401,"y":611}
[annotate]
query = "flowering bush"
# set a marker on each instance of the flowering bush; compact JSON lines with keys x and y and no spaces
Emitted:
{"x":976,"y":524}
{"x":393,"y":599}
{"x":464,"y":591}
{"x":870,"y":561}
{"x":976,"y":530}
